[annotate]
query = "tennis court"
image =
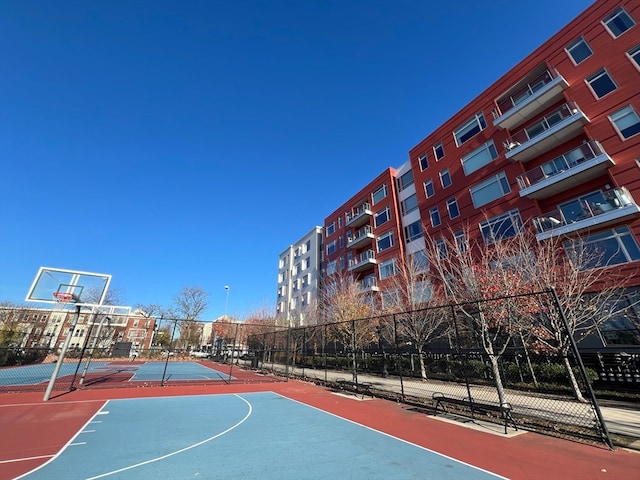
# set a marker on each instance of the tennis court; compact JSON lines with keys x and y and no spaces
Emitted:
{"x":100,"y":371}
{"x":286,"y":430}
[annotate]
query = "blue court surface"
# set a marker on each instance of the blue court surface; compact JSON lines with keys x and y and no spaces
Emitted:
{"x":140,"y":372}
{"x":239,"y":436}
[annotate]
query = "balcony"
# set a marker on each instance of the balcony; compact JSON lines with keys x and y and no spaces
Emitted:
{"x":570,"y":169}
{"x":359,"y":216}
{"x":596,"y":209}
{"x":363,"y":261}
{"x":368,"y":284}
{"x":525,"y":101}
{"x":360,"y":237}
{"x":552,"y":130}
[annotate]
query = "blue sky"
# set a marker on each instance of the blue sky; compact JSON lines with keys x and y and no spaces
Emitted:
{"x":188,"y":143}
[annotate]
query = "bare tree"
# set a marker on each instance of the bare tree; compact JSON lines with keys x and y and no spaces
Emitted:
{"x":345,"y":307}
{"x":420,"y":315}
{"x":187,"y":307}
{"x":482,"y":281}
{"x":588,"y":293}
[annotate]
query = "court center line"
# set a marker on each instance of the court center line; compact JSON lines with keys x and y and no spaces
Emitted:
{"x":233,"y":427}
{"x":25,"y":459}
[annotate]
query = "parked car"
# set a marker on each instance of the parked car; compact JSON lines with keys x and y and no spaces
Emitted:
{"x":198,"y":354}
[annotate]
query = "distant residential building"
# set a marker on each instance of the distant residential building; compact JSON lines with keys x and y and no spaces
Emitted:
{"x":299,"y":274}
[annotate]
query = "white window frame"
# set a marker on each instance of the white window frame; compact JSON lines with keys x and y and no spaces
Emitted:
{"x":450,"y":202}
{"x":477,"y":121}
{"x":423,"y":161}
{"x":445,"y":174}
{"x":625,"y":111}
{"x":434,"y":215}
{"x":618,"y":12}
{"x":388,"y":269}
{"x":331,"y":229}
{"x":386,"y":212}
{"x":403,"y":204}
{"x":600,"y":74}
{"x":438,"y":147}
{"x":512,"y":216}
{"x":410,"y":236}
{"x":403,"y":182}
{"x":384,"y":237}
{"x":382,"y":191}
{"x":634,"y":56}
{"x":331,"y":247}
{"x":427,"y":184}
{"x":499,"y":180}
{"x":575,"y":44}
{"x":478,"y":158}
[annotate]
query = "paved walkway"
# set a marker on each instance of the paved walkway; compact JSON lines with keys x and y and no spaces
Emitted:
{"x":618,"y":420}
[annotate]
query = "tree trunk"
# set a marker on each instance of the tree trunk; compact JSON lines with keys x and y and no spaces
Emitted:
{"x":572,"y":379}
{"x":423,"y":370}
{"x":498,"y":379}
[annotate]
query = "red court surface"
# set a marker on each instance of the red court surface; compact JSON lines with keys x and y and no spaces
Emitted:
{"x":33,"y":431}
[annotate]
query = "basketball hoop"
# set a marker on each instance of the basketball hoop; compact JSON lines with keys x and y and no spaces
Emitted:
{"x":64,"y":297}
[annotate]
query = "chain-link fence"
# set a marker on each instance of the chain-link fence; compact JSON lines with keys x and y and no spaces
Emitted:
{"x":512,"y":361}
{"x":490,"y":360}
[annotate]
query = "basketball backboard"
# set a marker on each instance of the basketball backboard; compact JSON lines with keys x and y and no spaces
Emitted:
{"x":56,"y":285}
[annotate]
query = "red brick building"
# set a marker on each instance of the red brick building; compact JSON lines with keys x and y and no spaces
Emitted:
{"x":553,"y":145}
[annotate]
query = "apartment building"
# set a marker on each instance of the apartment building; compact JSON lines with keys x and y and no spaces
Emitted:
{"x":553,"y":145}
{"x":299,"y":275}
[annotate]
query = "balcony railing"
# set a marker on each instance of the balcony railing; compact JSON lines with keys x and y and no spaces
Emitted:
{"x":598,"y":208}
{"x":527,"y":100}
{"x":358,"y":216}
{"x":362,"y":261}
{"x":572,"y":168}
{"x":360,"y":237}
{"x":368,"y":284}
{"x":553,"y":129}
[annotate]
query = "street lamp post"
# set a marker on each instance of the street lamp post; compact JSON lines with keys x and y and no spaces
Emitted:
{"x":226,"y":302}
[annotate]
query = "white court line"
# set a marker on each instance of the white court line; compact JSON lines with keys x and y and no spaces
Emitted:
{"x":25,"y":459}
{"x":68,"y":444}
{"x":394,"y":437}
{"x":182,"y":449}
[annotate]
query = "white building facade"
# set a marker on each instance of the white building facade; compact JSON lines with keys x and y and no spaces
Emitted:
{"x":299,"y":274}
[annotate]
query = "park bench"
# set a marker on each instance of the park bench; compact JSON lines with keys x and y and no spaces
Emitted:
{"x":504,"y":409}
{"x":359,"y":388}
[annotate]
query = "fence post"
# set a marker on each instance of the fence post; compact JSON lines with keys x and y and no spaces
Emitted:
{"x":583,"y":370}
{"x":395,"y":347}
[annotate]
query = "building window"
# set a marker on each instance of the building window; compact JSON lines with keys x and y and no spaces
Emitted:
{"x":342,"y":263}
{"x":445,"y":178}
{"x":490,"y":190}
{"x":385,"y":241}
{"x":405,"y":180}
{"x":434,"y":213}
{"x":441,"y":247}
{"x":634,"y":55}
{"x":480,"y":157}
{"x":579,"y":51}
{"x":331,"y":228}
{"x":387,"y":269}
{"x":308,"y":245}
{"x":413,"y":231}
{"x":340,"y":221}
{"x":452,"y":207}
{"x":601,"y":83}
{"x":421,"y":292}
{"x":611,"y":247}
{"x":332,"y":267}
{"x":424,"y":163}
{"x":438,"y":151}
{"x":500,"y":227}
{"x":307,"y":263}
{"x":428,"y":188}
{"x":626,"y":121}
{"x":420,"y":260}
{"x":409,"y":204}
{"x":379,"y":194}
{"x":618,"y":22}
{"x":469,"y":129}
{"x":341,"y":241}
{"x":461,"y":241}
{"x":381,"y":217}
{"x":331,"y":248}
